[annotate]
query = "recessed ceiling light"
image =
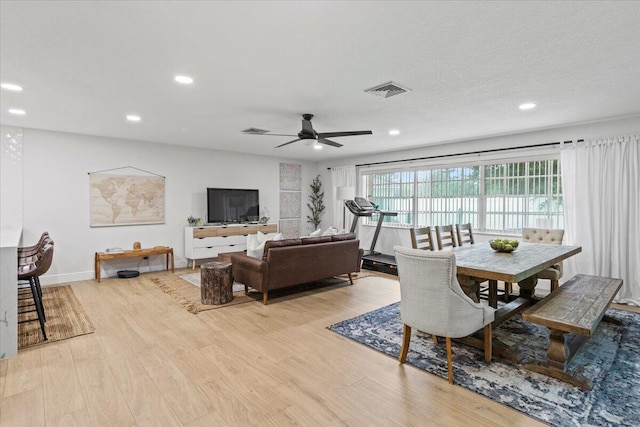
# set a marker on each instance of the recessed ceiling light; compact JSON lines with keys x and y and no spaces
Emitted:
{"x":17,"y":111}
{"x":185,"y":80}
{"x":317,"y":146}
{"x":394,"y":132}
{"x":11,"y":86}
{"x":133,"y":118}
{"x":527,"y":106}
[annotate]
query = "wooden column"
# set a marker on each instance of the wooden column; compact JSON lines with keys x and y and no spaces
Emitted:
{"x":216,"y":283}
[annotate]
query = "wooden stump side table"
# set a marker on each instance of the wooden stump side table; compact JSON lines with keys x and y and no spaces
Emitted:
{"x":216,"y":283}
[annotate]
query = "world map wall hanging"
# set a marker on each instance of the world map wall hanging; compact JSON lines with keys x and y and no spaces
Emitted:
{"x":125,"y":199}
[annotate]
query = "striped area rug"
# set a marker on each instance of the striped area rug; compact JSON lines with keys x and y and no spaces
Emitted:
{"x":65,"y":318}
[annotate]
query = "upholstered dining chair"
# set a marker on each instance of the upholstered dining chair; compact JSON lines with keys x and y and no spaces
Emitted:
{"x":421,"y":238}
{"x":552,"y":237}
{"x":445,"y":236}
{"x":432,"y":301}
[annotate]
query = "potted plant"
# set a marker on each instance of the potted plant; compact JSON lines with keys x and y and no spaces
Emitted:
{"x":194,"y":222}
{"x":316,"y":203}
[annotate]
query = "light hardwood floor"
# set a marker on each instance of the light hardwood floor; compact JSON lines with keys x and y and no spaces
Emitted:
{"x":152,"y":363}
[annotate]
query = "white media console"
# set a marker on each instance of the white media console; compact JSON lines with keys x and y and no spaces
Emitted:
{"x":209,"y":241}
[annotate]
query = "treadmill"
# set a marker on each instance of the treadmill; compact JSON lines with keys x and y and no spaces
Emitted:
{"x":372,"y":260}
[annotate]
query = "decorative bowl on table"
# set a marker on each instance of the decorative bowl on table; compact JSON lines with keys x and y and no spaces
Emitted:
{"x":503,"y":245}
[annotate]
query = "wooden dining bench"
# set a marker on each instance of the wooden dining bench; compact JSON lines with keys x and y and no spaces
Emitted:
{"x":572,"y":313}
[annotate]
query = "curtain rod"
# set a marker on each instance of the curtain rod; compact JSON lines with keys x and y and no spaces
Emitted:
{"x":466,"y":154}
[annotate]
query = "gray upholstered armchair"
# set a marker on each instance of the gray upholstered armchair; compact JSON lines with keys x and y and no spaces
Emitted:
{"x":548,"y":236}
{"x":432,"y":301}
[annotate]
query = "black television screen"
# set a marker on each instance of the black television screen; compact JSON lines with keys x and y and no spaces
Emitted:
{"x":232,"y":205}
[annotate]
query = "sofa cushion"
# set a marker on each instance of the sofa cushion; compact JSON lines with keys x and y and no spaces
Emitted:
{"x":279,"y":243}
{"x":312,"y":240}
{"x":254,"y":247}
{"x":256,"y":243}
{"x":345,"y":236}
{"x":331,"y":231}
{"x":318,"y":232}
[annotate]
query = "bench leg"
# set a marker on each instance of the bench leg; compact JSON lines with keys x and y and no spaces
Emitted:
{"x":560,"y":353}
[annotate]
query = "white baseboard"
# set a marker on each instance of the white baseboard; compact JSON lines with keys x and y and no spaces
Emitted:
{"x":56,"y":279}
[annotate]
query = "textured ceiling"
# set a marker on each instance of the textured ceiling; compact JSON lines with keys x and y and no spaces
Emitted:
{"x":85,"y":65}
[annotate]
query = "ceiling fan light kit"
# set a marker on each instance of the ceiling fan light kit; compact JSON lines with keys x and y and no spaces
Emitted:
{"x":308,"y":132}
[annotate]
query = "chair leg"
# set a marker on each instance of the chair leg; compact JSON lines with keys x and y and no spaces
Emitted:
{"x":39,"y":289}
{"x":265,"y":296}
{"x":488,"y":343}
{"x":350,"y":278}
{"x":554,"y":285}
{"x":406,"y":339}
{"x":449,"y":360}
{"x":434,"y":337}
{"x":39,"y":308}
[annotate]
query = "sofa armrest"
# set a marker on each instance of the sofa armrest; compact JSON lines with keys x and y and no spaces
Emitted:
{"x":250,"y":271}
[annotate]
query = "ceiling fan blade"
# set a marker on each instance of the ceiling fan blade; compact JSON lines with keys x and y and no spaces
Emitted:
{"x":287,"y":143}
{"x":273,"y":134}
{"x":352,"y":133}
{"x":328,"y":142}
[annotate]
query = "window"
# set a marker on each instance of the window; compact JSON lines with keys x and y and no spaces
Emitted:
{"x":493,"y":197}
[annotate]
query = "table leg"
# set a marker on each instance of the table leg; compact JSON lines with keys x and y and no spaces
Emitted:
{"x":470,"y":287}
{"x":528,"y":287}
{"x":97,"y":267}
{"x":493,"y":293}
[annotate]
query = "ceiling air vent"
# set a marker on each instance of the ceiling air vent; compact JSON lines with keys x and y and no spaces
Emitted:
{"x":255,"y":131}
{"x":387,"y":89}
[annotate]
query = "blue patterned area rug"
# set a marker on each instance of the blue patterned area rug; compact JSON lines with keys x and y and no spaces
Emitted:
{"x":611,"y":359}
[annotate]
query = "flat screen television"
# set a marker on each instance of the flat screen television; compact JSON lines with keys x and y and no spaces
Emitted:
{"x":232,"y":205}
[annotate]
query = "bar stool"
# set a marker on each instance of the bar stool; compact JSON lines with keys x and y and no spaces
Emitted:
{"x":31,"y":273}
{"x":27,"y":251}
{"x":29,"y":255}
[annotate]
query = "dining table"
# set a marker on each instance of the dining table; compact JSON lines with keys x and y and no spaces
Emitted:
{"x":479,"y":262}
{"x":520,"y":266}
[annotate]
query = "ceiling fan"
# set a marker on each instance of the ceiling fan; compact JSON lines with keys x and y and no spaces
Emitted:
{"x":308,"y":132}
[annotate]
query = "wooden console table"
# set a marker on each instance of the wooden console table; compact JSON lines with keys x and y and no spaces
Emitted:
{"x":158,"y":250}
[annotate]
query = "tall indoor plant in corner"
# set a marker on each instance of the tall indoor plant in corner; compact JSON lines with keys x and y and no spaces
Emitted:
{"x":316,"y":203}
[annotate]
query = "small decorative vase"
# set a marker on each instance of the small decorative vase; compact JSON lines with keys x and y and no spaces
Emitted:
{"x":264,"y":218}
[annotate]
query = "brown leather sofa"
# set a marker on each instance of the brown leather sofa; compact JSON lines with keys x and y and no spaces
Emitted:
{"x":291,"y":262}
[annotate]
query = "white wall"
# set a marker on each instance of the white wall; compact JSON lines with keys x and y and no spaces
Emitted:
{"x":10,"y":230}
{"x":56,"y":195}
{"x":10,"y":177}
{"x":390,"y":237}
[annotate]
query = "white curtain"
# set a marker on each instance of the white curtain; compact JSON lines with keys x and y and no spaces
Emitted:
{"x":601,"y":192}
{"x":342,"y":177}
